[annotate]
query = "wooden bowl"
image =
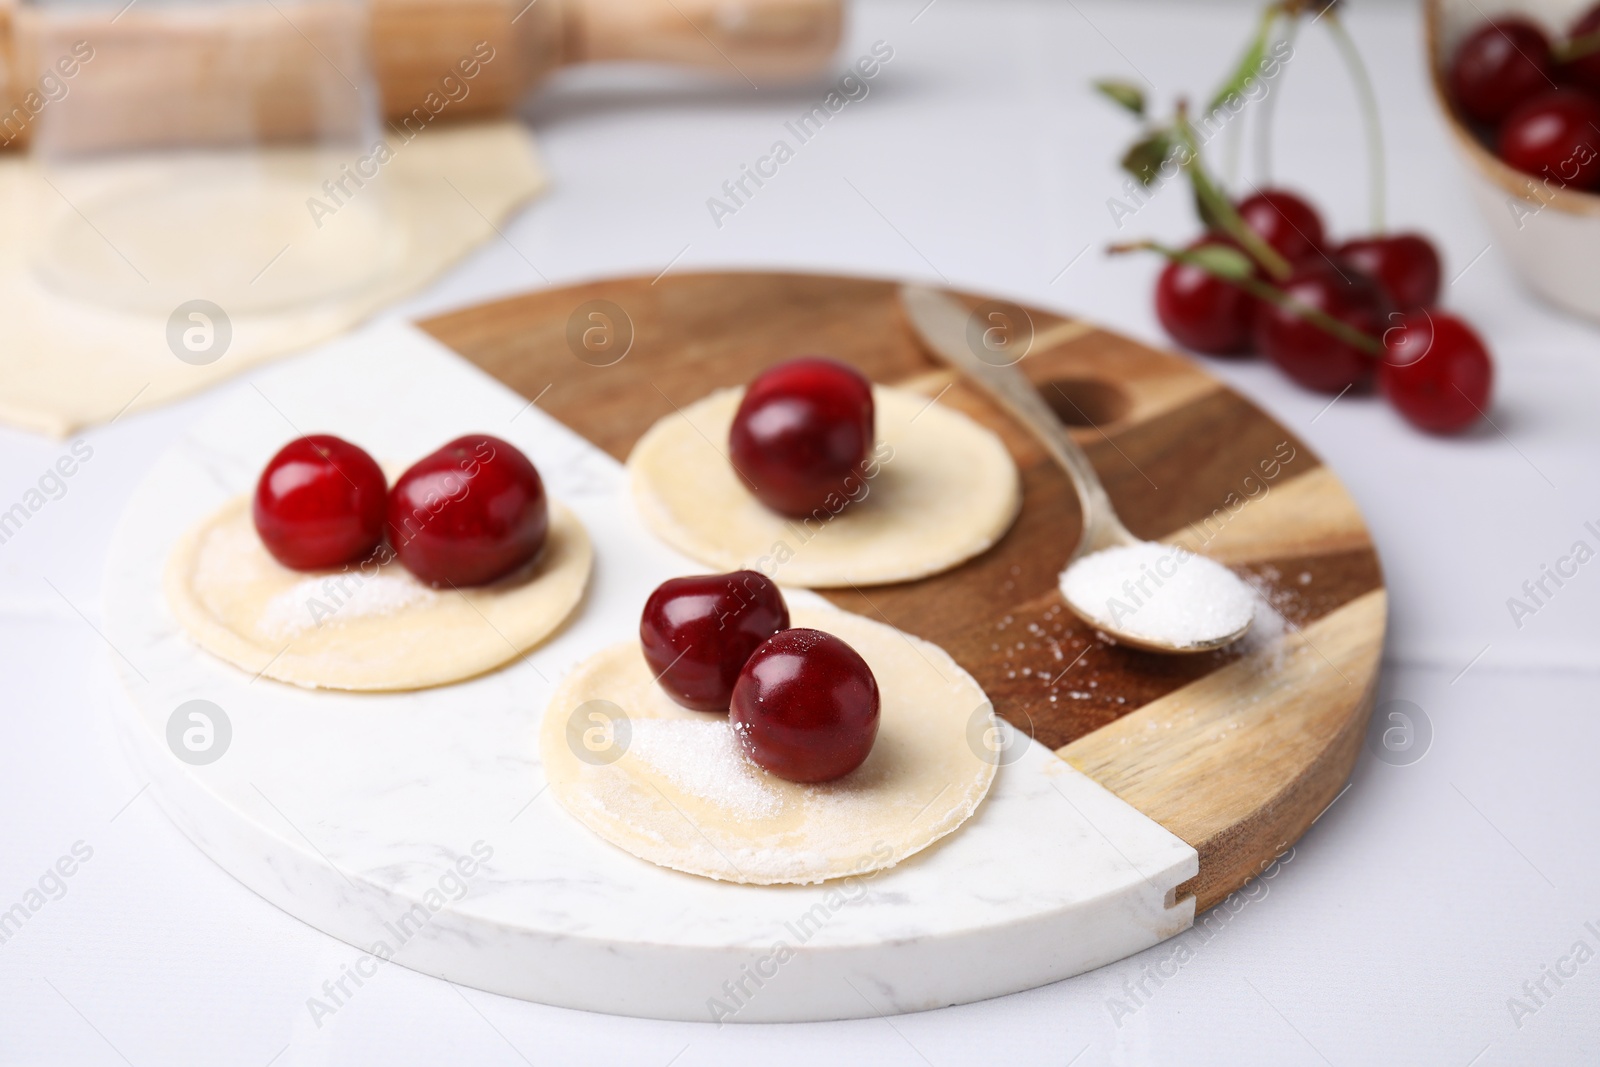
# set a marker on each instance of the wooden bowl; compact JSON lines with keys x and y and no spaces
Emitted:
{"x":1550,"y":234}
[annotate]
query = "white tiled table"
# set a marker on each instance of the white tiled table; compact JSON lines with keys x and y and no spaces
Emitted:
{"x":1424,"y":899}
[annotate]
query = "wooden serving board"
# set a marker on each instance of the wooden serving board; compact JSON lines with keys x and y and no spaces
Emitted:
{"x":1236,"y":752}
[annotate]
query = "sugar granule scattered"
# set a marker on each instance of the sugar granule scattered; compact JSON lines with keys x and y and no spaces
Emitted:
{"x":704,"y":760}
{"x":332,"y":600}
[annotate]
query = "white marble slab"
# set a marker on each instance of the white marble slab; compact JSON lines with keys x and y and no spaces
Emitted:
{"x":347,"y":810}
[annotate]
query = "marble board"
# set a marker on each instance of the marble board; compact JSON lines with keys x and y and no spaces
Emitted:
{"x":415,"y":827}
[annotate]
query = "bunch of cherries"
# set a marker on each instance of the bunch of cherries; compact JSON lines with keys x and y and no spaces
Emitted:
{"x":1333,"y":317}
{"x":1534,"y":102}
{"x":468,"y":514}
{"x":803,"y":703}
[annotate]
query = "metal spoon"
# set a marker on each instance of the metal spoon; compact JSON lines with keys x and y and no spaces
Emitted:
{"x":942,"y":325}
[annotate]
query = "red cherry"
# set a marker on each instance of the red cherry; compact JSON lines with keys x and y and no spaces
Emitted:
{"x":469,"y":513}
{"x":319,"y":503}
{"x":1201,"y":311}
{"x":806,"y":706}
{"x":1285,"y":221}
{"x":1309,"y":354}
{"x":1406,"y":265}
{"x":1555,"y":135}
{"x":801,"y":433}
{"x":1585,"y":69}
{"x":1498,"y":66}
{"x":1436,"y":371}
{"x":698,"y":632}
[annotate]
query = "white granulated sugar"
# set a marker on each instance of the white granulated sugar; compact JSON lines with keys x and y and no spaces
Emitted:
{"x":1162,"y":593}
{"x":704,"y":760}
{"x":1265,"y":644}
{"x":335,"y":599}
{"x":1268,"y":627}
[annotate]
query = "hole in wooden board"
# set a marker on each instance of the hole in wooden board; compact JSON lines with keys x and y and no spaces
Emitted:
{"x":1086,"y":401}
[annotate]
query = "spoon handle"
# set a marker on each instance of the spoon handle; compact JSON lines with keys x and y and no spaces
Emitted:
{"x":942,"y":325}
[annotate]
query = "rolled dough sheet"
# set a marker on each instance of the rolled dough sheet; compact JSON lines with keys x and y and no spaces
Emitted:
{"x":69,"y":362}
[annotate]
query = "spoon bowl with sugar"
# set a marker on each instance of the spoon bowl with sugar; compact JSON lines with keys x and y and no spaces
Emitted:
{"x":1145,"y":594}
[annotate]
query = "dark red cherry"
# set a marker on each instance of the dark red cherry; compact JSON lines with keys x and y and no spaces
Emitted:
{"x":1436,"y":371}
{"x":1306,"y":352}
{"x":319,"y":503}
{"x":1584,"y":70}
{"x":1498,"y":66}
{"x":1406,"y":265}
{"x":806,"y":706}
{"x":469,"y":513}
{"x":801,"y":433}
{"x":698,"y":632}
{"x":1285,"y":221}
{"x":1555,"y":135}
{"x":1201,"y":311}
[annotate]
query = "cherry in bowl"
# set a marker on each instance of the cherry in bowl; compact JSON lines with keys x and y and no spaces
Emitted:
{"x":801,"y":433}
{"x":320,"y":503}
{"x":1436,"y":371}
{"x":1498,"y":66}
{"x":1555,"y":135}
{"x":805,"y":706}
{"x":1308,"y":353}
{"x":1584,"y":70}
{"x":698,"y":632}
{"x":470,"y":513}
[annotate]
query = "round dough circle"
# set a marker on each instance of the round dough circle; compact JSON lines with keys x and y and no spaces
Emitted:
{"x":946,"y":490}
{"x":670,"y":786}
{"x":368,"y":627}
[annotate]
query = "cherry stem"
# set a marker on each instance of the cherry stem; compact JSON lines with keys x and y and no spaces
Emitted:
{"x":1362,"y":80}
{"x":1577,"y":47}
{"x":1263,"y":120}
{"x":1245,"y":71}
{"x":1262,"y":291}
{"x":1219,"y":207}
{"x":1230,"y":162}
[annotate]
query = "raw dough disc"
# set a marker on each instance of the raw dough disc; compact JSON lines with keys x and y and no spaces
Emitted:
{"x":376,"y":628}
{"x":946,"y":492}
{"x":670,"y":785}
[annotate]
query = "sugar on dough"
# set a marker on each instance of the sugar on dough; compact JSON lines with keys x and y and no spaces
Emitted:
{"x":69,"y":362}
{"x":669,"y":785}
{"x":373,"y":628}
{"x":945,"y":490}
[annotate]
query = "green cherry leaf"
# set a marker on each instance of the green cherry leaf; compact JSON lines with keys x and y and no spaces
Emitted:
{"x":1248,"y":66}
{"x":1124,"y":94}
{"x":1239,"y":79}
{"x":1144,"y":158}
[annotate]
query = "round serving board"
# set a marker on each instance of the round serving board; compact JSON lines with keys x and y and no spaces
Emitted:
{"x":416,"y":826}
{"x":1232,"y":759}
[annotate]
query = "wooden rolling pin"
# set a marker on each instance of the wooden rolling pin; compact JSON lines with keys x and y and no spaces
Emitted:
{"x":268,"y":71}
